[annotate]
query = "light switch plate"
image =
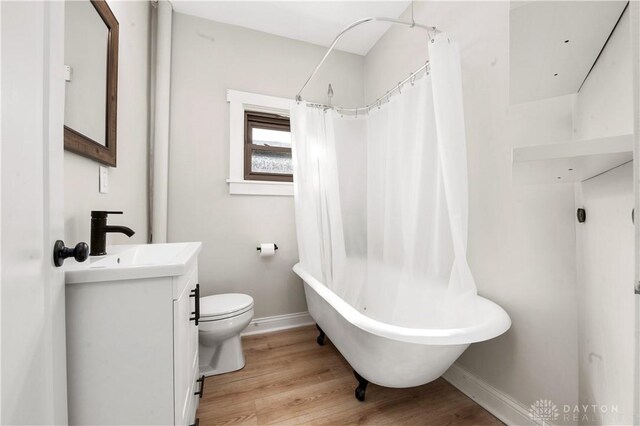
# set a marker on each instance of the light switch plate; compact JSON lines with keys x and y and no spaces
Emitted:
{"x":104,"y":179}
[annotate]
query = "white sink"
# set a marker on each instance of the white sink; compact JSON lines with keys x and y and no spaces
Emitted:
{"x":134,"y":261}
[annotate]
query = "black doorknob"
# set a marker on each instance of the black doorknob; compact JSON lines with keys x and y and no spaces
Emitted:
{"x":80,"y":252}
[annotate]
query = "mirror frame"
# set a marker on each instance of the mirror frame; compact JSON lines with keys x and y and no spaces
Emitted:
{"x":75,"y":141}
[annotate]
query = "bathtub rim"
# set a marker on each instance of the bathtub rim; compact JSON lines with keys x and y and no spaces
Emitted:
{"x":495,"y":326}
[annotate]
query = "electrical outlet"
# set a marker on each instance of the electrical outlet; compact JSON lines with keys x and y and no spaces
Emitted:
{"x":104,"y":179}
{"x":67,"y":73}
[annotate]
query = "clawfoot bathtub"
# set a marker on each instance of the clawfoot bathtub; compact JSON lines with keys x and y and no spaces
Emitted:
{"x":399,"y":356}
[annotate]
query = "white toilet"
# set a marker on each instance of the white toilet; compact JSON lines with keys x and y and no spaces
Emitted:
{"x":222,"y":319}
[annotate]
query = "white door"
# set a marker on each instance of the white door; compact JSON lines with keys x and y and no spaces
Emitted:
{"x":33,"y":365}
{"x":606,"y":299}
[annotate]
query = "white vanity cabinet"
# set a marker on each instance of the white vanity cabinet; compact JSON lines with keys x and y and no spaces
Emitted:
{"x":132,"y":344}
{"x":188,"y":385}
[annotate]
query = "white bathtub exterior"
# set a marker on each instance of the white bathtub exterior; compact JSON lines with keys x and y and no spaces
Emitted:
{"x":393,"y":356}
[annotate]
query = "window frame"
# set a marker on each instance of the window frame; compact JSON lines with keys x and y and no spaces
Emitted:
{"x":239,"y":102}
{"x":263,"y":120}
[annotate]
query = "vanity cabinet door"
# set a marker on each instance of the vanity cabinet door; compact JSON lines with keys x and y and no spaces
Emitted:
{"x":185,"y":350}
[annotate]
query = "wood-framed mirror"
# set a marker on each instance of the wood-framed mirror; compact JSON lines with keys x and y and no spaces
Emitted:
{"x":91,"y":75}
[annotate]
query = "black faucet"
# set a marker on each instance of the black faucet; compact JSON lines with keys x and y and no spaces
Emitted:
{"x":99,"y":229}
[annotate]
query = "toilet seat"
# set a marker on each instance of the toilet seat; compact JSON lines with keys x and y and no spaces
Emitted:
{"x":223,"y":306}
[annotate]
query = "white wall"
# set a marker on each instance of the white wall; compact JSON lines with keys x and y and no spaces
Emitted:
{"x":207,"y":59}
{"x":521,"y":238}
{"x":128,"y":181}
{"x":604,"y":107}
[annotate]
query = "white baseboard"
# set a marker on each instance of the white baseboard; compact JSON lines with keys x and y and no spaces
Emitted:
{"x":491,"y":399}
{"x":278,"y":322}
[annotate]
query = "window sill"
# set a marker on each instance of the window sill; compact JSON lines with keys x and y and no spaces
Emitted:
{"x":257,"y":187}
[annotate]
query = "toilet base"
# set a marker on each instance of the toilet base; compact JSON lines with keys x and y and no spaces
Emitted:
{"x":225,"y":357}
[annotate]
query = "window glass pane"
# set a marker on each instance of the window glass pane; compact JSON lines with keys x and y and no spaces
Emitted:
{"x":271,"y":137}
{"x":271,"y":162}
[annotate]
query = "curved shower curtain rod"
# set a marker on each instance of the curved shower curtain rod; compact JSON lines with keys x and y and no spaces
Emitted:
{"x":349,"y":27}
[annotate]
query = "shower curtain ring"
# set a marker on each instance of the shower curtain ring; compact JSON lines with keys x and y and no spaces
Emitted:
{"x":413,"y":79}
{"x":400,"y":87}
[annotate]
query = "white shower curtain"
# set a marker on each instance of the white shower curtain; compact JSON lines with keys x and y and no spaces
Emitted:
{"x":381,"y":199}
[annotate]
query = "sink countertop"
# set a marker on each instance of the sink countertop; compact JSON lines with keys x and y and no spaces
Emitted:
{"x":133,"y":261}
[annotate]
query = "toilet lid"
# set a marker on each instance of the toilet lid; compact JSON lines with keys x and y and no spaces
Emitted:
{"x":224,"y":304}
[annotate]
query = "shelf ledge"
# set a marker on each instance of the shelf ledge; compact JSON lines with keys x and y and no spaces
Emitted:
{"x":568,"y":162}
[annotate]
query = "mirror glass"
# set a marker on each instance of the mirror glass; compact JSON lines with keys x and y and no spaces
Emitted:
{"x":85,"y":55}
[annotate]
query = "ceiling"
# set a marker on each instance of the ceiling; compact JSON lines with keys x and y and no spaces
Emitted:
{"x":316,"y":22}
{"x":542,"y":64}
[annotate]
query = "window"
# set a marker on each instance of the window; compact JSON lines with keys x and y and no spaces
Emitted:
{"x":267,"y":149}
{"x":259,"y":144}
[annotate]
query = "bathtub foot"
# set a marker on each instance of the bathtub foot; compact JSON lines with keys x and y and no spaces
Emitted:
{"x":320,"y":338}
{"x":362,"y":386}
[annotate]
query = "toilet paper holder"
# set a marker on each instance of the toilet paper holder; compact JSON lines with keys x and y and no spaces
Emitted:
{"x":275,"y":246}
